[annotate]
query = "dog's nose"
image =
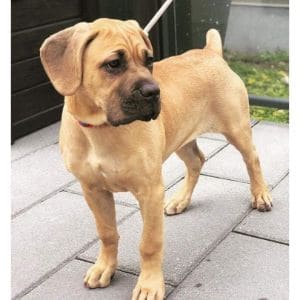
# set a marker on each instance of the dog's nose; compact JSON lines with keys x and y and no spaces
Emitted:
{"x":149,"y":90}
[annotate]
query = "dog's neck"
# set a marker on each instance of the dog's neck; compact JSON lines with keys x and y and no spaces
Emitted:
{"x":84,"y":111}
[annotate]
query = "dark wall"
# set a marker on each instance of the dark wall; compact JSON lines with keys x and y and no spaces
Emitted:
{"x":34,"y":102}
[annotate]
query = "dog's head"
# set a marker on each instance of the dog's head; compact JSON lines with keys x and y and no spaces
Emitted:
{"x":108,"y":63}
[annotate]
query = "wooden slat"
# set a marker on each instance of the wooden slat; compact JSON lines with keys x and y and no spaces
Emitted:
{"x":90,"y":10}
{"x":31,"y":13}
{"x":26,"y":44}
{"x":27,"y":74}
{"x":36,"y":122}
{"x":34,"y":100}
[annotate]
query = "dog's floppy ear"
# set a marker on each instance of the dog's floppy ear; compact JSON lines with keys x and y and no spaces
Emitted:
{"x":61,"y":56}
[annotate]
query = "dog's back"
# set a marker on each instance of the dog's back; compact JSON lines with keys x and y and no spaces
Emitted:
{"x":196,"y":84}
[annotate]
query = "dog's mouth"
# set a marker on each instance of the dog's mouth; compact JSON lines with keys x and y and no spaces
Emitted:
{"x":137,"y":108}
{"x":130,"y":119}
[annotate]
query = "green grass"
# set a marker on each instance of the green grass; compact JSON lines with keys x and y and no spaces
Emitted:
{"x":264,"y":74}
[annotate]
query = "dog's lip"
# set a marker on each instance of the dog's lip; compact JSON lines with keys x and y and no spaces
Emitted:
{"x":136,"y":116}
{"x":124,"y":121}
{"x":131,"y":119}
{"x":157,"y":111}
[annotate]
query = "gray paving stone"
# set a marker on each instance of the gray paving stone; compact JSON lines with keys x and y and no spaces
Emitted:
{"x":275,"y":224}
{"x":272,"y":143}
{"x":210,"y":147}
{"x":75,"y":188}
{"x":174,"y":168}
{"x":36,"y":175}
{"x":241,"y":267}
{"x":34,"y":141}
{"x":67,"y":284}
{"x":216,"y":207}
{"x":49,"y":233}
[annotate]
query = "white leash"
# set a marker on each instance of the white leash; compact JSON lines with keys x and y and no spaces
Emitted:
{"x":156,"y":17}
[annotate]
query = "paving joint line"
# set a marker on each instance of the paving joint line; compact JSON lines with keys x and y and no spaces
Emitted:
{"x":72,"y":192}
{"x":123,"y":203}
{"x":120,"y":269}
{"x":225,"y":178}
{"x":50,"y":273}
{"x":133,"y":273}
{"x":261,"y":238}
{"x":41,"y":200}
{"x":286,"y":174}
{"x":91,"y":261}
{"x":181,"y":177}
{"x":255,"y":122}
{"x":212,"y":138}
{"x":251,"y":209}
{"x":174,"y":182}
{"x":210,"y":249}
{"x":84,"y":259}
{"x":34,"y":151}
{"x":271,"y":187}
{"x":122,"y":220}
{"x":207,"y":175}
{"x":215,"y":152}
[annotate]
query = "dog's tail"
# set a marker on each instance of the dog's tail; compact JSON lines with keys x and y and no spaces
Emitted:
{"x":214,"y":42}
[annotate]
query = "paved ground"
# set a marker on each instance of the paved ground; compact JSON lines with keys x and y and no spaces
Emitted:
{"x":218,"y":249}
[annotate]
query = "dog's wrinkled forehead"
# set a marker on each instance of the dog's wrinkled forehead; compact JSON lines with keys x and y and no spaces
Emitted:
{"x":115,"y":36}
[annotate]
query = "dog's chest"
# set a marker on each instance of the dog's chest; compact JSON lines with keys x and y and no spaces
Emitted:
{"x":109,"y":172}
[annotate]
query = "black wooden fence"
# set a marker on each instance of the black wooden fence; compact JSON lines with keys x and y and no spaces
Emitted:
{"x":35,"y":103}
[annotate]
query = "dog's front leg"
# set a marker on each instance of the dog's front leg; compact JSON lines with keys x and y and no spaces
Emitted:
{"x":102,"y":205}
{"x":150,"y":284}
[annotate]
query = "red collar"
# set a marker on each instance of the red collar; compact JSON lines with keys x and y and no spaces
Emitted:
{"x":86,"y":125}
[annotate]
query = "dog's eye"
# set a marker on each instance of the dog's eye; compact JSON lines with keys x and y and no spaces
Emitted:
{"x":149,"y":61}
{"x":113,"y":65}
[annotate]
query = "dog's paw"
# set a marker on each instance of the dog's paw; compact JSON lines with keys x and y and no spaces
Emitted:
{"x":99,"y":275}
{"x":149,"y":287}
{"x":176,"y":205}
{"x":262,"y":201}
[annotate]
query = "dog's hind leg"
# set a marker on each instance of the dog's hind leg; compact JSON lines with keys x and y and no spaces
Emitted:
{"x":103,"y":207}
{"x":241,"y":138}
{"x":194,"y":160}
